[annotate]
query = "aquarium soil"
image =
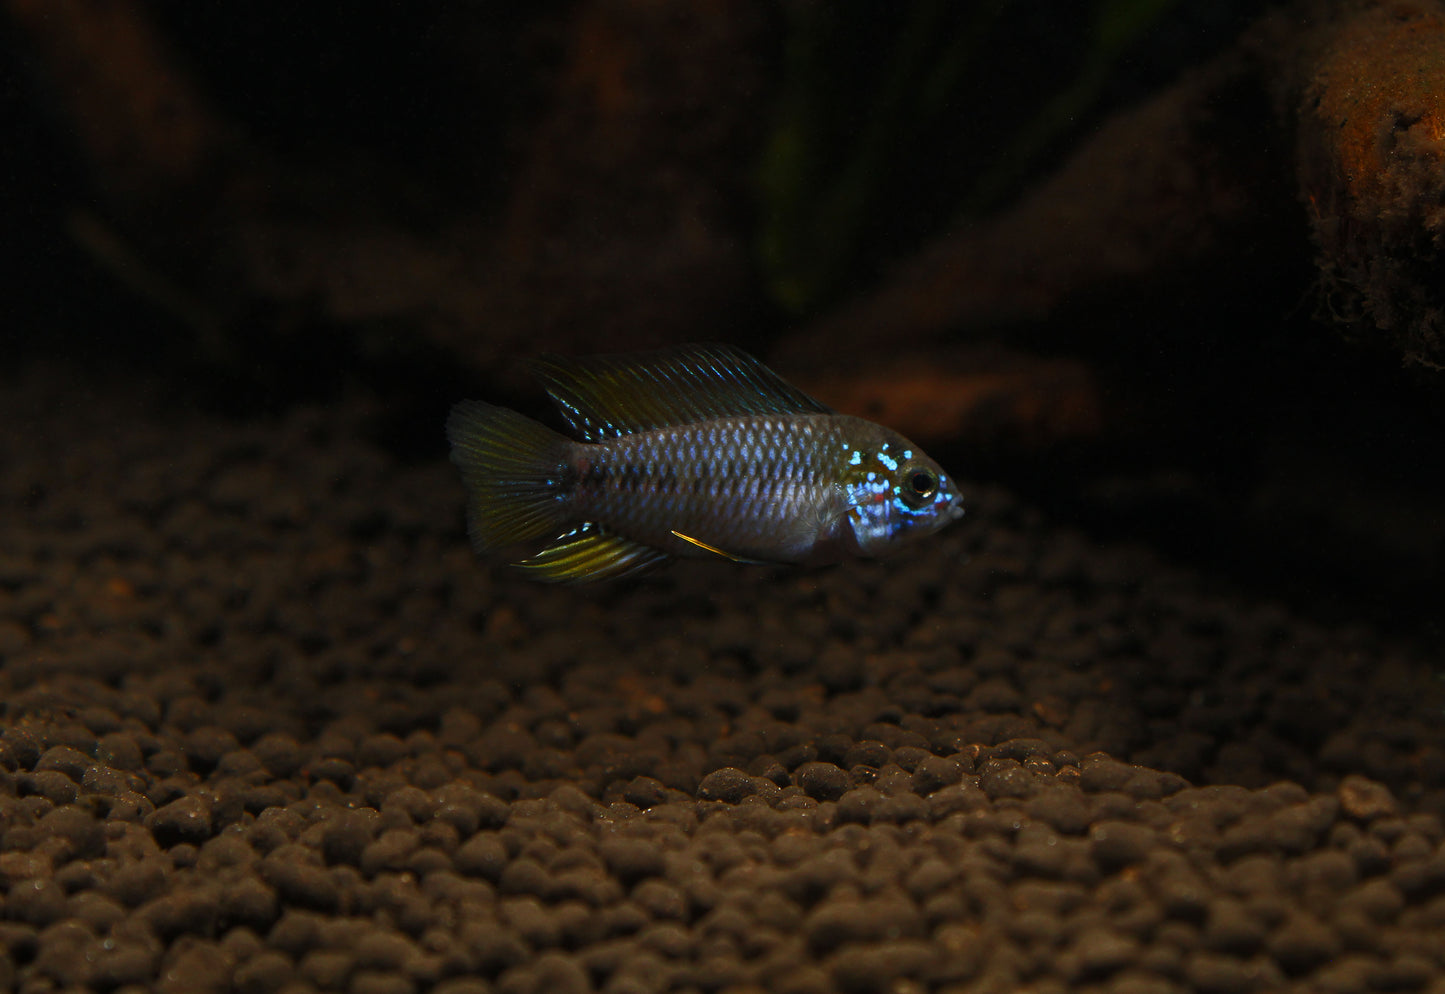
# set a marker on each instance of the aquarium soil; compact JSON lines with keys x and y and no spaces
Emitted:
{"x":266,"y":724}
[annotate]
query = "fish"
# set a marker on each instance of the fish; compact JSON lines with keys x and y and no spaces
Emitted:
{"x":695,"y":451}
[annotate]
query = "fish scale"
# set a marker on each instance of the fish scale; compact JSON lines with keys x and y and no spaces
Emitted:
{"x":699,"y":450}
{"x":742,"y":484}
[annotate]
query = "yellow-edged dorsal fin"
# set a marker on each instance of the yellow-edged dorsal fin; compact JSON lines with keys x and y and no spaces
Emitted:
{"x":611,"y":395}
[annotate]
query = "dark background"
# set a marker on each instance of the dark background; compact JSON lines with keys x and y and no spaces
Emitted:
{"x":1248,"y":435}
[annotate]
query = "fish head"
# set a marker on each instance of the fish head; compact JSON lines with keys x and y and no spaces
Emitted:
{"x":895,"y":493}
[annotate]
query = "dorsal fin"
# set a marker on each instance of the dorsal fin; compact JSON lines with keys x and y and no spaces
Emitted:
{"x":610,"y":395}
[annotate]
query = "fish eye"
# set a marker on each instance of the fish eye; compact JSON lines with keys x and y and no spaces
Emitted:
{"x":920,"y":485}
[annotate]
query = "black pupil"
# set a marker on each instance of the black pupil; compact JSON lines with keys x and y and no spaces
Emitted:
{"x":922,"y":484}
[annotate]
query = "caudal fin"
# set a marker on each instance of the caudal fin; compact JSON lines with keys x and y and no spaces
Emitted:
{"x":512,"y":467}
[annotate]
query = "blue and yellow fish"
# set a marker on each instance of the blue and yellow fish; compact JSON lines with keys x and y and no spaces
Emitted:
{"x":697,"y":451}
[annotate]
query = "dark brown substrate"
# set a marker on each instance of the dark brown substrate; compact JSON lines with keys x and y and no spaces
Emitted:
{"x":269,"y":726}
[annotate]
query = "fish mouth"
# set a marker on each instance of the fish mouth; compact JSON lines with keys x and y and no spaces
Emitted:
{"x":955,"y":509}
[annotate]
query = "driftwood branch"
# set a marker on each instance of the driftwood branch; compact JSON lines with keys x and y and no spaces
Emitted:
{"x":1365,"y":94}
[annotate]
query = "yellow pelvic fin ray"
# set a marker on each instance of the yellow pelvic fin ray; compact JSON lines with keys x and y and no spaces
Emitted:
{"x":711,"y":548}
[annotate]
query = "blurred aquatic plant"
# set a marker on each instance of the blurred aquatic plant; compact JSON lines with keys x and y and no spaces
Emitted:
{"x":893,"y":121}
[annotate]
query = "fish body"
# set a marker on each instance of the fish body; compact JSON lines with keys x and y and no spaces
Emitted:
{"x":688,"y":452}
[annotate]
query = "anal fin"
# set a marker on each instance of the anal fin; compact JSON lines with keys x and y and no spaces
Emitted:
{"x":590,"y":552}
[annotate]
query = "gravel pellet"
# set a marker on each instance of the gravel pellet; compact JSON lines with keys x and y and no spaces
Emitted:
{"x":269,"y":726}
